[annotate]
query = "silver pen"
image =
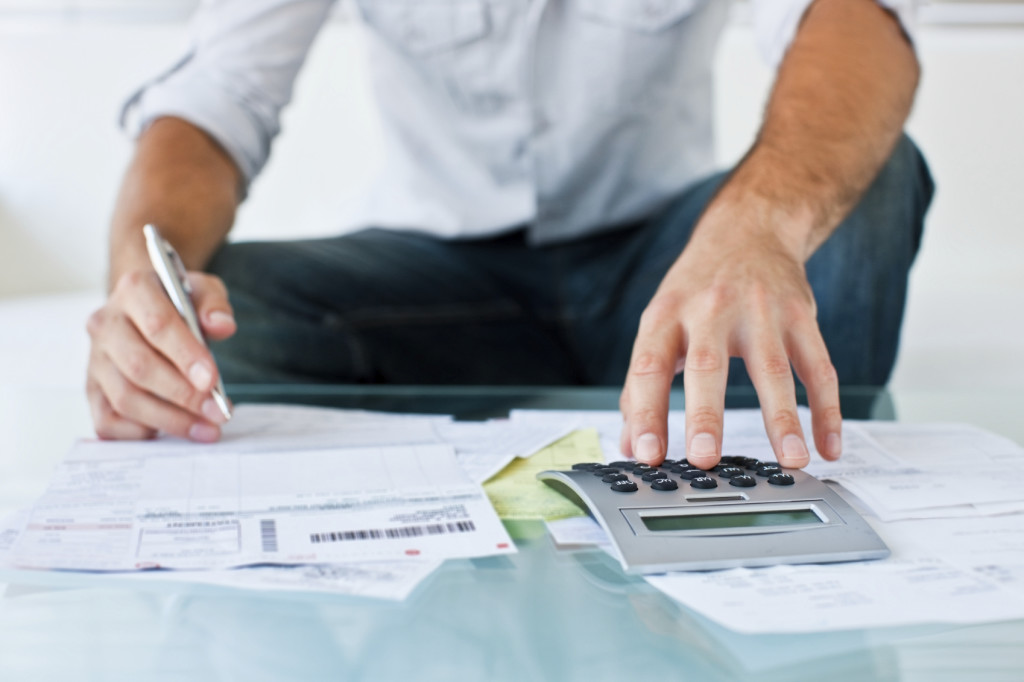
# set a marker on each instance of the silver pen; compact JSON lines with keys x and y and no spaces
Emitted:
{"x":172,"y":275}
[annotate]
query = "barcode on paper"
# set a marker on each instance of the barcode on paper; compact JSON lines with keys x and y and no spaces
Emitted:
{"x":268,"y":535}
{"x":393,"y":533}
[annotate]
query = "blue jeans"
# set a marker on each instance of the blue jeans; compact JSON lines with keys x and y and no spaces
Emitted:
{"x":385,"y":306}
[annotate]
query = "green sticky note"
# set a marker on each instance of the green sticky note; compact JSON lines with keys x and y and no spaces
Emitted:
{"x":516,"y":493}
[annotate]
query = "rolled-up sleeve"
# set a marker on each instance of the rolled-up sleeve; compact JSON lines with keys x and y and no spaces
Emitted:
{"x":776,"y":22}
{"x":236,"y":76}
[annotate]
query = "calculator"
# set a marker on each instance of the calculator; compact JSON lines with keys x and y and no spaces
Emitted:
{"x":743,"y":512}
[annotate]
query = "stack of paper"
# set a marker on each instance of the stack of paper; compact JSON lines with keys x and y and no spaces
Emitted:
{"x":303,"y":498}
{"x":300,"y":498}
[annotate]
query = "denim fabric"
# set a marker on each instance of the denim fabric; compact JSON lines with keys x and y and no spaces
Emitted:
{"x":385,"y":306}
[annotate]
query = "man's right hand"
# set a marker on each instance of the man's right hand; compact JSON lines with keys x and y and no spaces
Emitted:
{"x":147,"y":372}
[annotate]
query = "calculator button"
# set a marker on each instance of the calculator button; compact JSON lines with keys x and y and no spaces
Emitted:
{"x":768,"y":469}
{"x":743,"y":481}
{"x":586,"y":466}
{"x":732,"y":459}
{"x":641,"y":468}
{"x":780,"y":478}
{"x":611,"y":478}
{"x":601,"y":471}
{"x":751,"y":463}
{"x":691,"y":474}
{"x":624,"y":464}
{"x":730,"y":471}
{"x":652,"y":474}
{"x":664,"y":484}
{"x":704,"y":483}
{"x":677,"y":468}
{"x":624,"y":487}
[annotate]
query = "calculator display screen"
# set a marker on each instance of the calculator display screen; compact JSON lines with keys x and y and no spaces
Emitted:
{"x":787,"y":517}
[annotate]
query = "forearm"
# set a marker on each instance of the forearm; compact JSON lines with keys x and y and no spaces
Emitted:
{"x":182,"y":181}
{"x":839,"y":104}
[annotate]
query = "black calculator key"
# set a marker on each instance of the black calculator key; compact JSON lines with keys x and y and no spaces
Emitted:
{"x":664,"y":484}
{"x":652,"y":474}
{"x":623,"y":464}
{"x":691,"y":474}
{"x":670,"y":462}
{"x":641,"y":468}
{"x":730,"y":471}
{"x":751,"y":463}
{"x":768,"y":469}
{"x":611,"y":478}
{"x":704,"y":483}
{"x":780,"y":478}
{"x":677,"y":468}
{"x":743,"y":481}
{"x":586,"y":466}
{"x":601,"y":471}
{"x":732,"y":459}
{"x":624,"y":487}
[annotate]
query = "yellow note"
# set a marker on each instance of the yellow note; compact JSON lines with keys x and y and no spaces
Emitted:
{"x":516,"y":493}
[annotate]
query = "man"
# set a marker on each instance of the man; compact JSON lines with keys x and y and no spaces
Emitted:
{"x":549,"y":181}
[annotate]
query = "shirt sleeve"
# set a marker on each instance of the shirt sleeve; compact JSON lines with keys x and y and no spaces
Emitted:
{"x":776,"y":22}
{"x":236,"y":76}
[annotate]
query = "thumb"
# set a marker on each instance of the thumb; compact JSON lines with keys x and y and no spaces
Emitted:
{"x":210,"y":298}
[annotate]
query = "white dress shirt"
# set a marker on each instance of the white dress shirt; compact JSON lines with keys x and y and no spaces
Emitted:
{"x":566,"y":116}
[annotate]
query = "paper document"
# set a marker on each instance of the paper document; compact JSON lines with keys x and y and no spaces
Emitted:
{"x":517,"y":494}
{"x":270,"y":428}
{"x":394,"y":580}
{"x":990,"y":547}
{"x":811,"y":598}
{"x":961,"y":571}
{"x":485,"y":448}
{"x":229,"y":509}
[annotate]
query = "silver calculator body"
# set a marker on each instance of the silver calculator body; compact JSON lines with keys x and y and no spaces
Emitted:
{"x":744,"y":512}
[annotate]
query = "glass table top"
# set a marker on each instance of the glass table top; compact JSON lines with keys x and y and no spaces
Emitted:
{"x":541,"y":614}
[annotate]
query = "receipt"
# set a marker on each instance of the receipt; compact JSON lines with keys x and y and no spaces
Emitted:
{"x":810,"y":598}
{"x":219,"y":510}
{"x":393,"y":580}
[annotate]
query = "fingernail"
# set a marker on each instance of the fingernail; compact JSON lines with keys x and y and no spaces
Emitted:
{"x":200,"y":376}
{"x":834,"y":444}
{"x":794,"y":452}
{"x":203,"y":432}
{"x":648,"y":448}
{"x":703,"y":449}
{"x":220,"y":317}
{"x":212,"y":412}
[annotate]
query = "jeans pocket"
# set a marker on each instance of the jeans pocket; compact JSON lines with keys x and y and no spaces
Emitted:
{"x":646,"y":16}
{"x":427,"y":27}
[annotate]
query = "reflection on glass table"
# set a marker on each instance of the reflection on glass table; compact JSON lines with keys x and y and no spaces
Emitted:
{"x":541,"y":614}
